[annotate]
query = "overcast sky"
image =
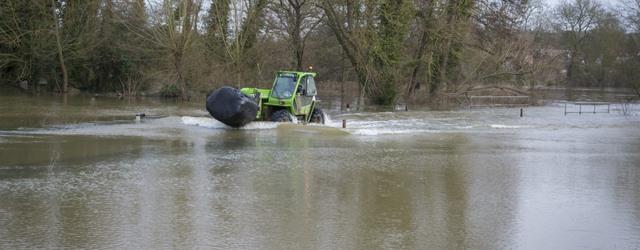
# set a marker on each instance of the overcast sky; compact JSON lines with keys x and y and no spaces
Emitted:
{"x":606,"y":3}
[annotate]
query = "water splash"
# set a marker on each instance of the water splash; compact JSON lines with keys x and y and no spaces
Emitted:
{"x":215,"y":124}
{"x":358,"y":124}
{"x":502,"y":126}
{"x":374,"y":132}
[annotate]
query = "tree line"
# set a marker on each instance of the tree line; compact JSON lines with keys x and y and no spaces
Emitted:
{"x":414,"y":50}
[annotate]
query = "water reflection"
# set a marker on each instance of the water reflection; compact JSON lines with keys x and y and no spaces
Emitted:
{"x":456,"y":197}
{"x":51,"y":150}
{"x":590,"y":200}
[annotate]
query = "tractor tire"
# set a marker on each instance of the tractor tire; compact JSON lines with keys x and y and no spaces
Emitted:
{"x":282,"y":115}
{"x":317,"y":116}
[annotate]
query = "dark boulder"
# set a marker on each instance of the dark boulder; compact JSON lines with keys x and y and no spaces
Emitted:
{"x":231,"y":107}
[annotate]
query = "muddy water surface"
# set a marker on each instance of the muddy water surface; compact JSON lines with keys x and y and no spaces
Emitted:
{"x":82,"y":173}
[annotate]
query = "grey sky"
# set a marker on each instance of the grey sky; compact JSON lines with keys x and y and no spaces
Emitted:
{"x":606,"y":3}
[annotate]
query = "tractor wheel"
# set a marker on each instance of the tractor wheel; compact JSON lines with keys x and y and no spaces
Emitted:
{"x":282,"y":116}
{"x":317,"y":116}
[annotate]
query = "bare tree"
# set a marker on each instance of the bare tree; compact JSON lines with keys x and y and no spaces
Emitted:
{"x":174,"y":37}
{"x":458,"y":13}
{"x":371,"y":35}
{"x":444,"y":28}
{"x":576,"y":19}
{"x":502,"y":41}
{"x":24,"y":28}
{"x":218,"y":28}
{"x":426,"y":22}
{"x":342,"y":19}
{"x":423,"y":48}
{"x":298,"y":18}
{"x":631,"y":11}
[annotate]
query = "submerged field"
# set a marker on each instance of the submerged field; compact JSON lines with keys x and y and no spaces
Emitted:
{"x":84,"y":174}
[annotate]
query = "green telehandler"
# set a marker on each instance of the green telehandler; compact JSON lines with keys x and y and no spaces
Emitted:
{"x":292,"y":98}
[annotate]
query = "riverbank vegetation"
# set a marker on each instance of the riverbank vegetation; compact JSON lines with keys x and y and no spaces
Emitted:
{"x":418,"y":50}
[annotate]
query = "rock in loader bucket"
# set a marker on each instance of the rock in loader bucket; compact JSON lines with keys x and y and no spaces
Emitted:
{"x":231,"y":107}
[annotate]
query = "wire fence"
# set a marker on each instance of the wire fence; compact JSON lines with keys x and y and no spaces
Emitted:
{"x":498,"y":101}
{"x":623,"y":108}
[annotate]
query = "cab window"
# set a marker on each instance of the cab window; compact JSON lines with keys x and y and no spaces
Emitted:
{"x":284,"y":87}
{"x":310,"y":86}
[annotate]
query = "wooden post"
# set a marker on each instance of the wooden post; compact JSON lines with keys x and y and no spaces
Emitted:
{"x":344,"y":123}
{"x":580,"y":109}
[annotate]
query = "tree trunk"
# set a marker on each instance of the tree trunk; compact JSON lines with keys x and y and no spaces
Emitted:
{"x":63,"y":67}
{"x":419,"y":57}
{"x":444,"y":67}
{"x":181,"y":81}
{"x":298,"y":48}
{"x":571,"y":69}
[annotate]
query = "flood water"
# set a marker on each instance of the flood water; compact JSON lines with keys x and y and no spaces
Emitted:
{"x":81,"y":172}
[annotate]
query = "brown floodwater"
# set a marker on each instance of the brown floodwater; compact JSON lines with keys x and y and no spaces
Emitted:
{"x":81,"y":172}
